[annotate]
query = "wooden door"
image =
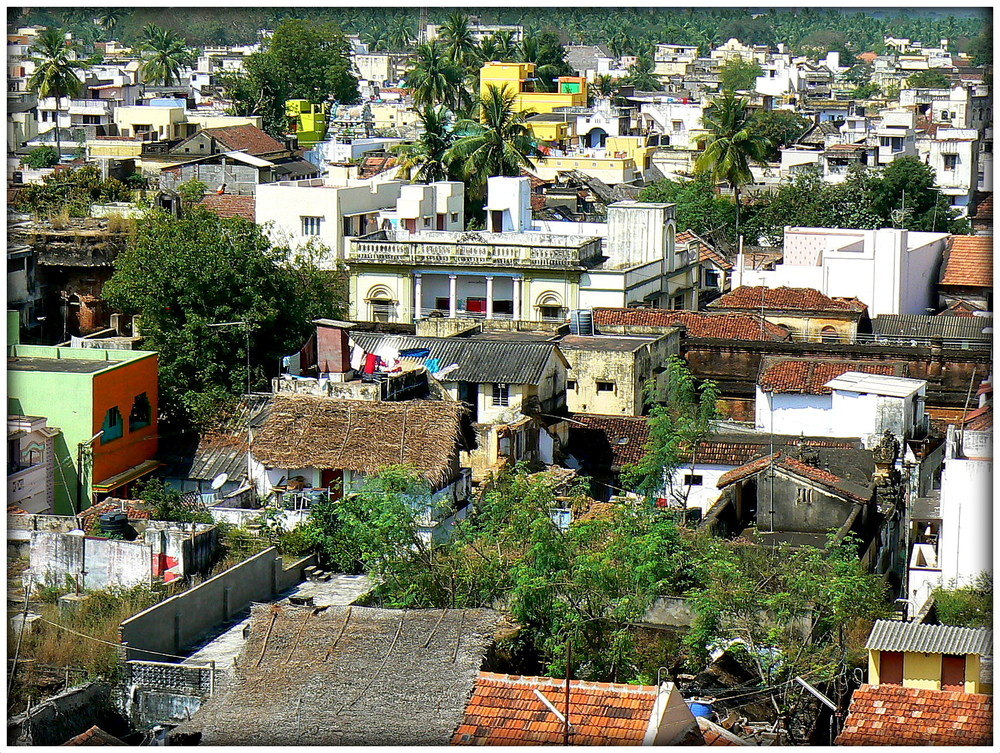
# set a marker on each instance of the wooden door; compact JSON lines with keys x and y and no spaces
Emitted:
{"x":890,"y":668}
{"x":953,"y":673}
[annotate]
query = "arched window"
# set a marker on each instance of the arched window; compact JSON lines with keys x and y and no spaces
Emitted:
{"x":550,"y":307}
{"x":829,"y":335}
{"x":381,"y":303}
{"x":141,"y":413}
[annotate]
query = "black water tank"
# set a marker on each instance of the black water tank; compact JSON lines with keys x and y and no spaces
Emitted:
{"x":114,"y":522}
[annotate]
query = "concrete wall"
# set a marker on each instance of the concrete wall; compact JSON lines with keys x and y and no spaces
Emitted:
{"x":70,"y":713}
{"x":94,"y":563}
{"x":798,"y":507}
{"x":180,"y":620}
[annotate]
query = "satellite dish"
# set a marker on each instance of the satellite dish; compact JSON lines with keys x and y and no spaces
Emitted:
{"x":219,"y":480}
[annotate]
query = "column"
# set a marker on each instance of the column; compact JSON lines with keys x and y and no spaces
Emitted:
{"x":418,"y":297}
{"x":517,"y":297}
{"x":452,"y":296}
{"x":489,"y":296}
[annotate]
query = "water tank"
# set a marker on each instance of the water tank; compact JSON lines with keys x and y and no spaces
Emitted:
{"x":581,"y":322}
{"x":701,"y":707}
{"x":114,"y":522}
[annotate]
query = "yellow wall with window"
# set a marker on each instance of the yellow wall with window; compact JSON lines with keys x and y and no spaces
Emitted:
{"x":922,"y":670}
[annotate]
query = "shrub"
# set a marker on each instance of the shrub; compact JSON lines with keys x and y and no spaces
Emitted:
{"x":43,"y":156}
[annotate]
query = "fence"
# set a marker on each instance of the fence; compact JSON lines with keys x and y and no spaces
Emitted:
{"x":164,"y":693}
{"x":171,"y":625}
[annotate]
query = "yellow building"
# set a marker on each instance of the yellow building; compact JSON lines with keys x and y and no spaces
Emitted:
{"x":520,"y":80}
{"x":931,"y":657}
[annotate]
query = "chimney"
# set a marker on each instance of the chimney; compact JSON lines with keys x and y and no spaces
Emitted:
{"x":333,"y":349}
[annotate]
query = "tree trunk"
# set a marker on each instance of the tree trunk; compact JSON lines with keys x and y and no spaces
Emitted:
{"x":736,"y":196}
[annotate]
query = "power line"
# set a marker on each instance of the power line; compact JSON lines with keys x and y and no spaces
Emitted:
{"x":106,"y":643}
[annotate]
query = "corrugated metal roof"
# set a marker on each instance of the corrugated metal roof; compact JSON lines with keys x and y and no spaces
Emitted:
{"x":893,"y":635}
{"x":507,"y":362}
{"x":919,"y":325}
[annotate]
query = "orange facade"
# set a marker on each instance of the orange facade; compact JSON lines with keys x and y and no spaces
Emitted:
{"x":120,"y":387}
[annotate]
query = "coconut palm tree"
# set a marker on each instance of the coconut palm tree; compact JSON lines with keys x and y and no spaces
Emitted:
{"x":165,"y":53}
{"x":400,"y":35}
{"x":499,"y":46}
{"x":641,"y":75}
{"x":499,"y":143}
{"x":434,"y":79}
{"x":108,"y":19}
{"x":604,"y":85}
{"x":424,"y":160}
{"x":56,"y":69}
{"x":459,"y":40}
{"x":731,"y":144}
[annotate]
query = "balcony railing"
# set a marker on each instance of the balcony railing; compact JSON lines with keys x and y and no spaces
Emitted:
{"x":89,"y":106}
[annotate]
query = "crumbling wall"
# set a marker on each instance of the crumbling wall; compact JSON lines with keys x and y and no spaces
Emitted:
{"x":91,"y":562}
{"x":70,"y":713}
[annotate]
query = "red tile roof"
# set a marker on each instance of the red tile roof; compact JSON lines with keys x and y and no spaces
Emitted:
{"x":745,"y":471}
{"x":505,"y":710}
{"x":968,"y":261}
{"x":799,"y":468}
{"x":136,"y":510}
{"x":625,"y":436}
{"x":372,"y":166}
{"x":794,"y":299}
{"x":894,"y":715}
{"x":981,"y":419}
{"x":960,"y":308}
{"x":705,"y":251}
{"x":984,"y":209}
{"x":697,"y":323}
{"x":230,"y":205}
{"x":868,"y":57}
{"x":94,"y":736}
{"x":806,"y":376}
{"x":246,"y":138}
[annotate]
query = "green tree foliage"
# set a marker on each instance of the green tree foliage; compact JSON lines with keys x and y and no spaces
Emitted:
{"x":41,"y":157}
{"x":434,"y":79}
{"x":168,"y":504}
{"x":192,"y":191}
{"x":981,"y":48}
{"x":785,"y":611}
{"x":698,"y":208}
{"x":549,"y":56}
{"x":499,"y":47}
{"x":778,"y":128}
{"x":165,"y":55}
{"x":640,"y":75}
{"x":72,"y":191}
{"x":56,"y":68}
{"x":677,"y":425}
{"x":425,"y":160}
{"x":739,"y":75}
{"x":866,"y":91}
{"x":302,"y":60}
{"x":929,"y":79}
{"x":859,"y":74}
{"x":966,"y":606}
{"x":182,"y":275}
{"x":499,"y":143}
{"x":459,"y":41}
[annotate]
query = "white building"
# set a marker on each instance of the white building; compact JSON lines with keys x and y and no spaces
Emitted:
{"x":891,"y":271}
{"x":953,"y":154}
{"x":678,"y":121}
{"x":31,"y":464}
{"x":853,"y":404}
{"x":896,"y":135}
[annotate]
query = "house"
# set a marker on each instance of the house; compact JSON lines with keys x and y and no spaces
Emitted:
{"x":953,"y":153}
{"x":967,"y":271}
{"x":891,"y":271}
{"x":713,"y":278}
{"x":807,"y":314}
{"x":960,"y":327}
{"x":894,"y":715}
{"x":515,"y":710}
{"x":837,"y":398}
{"x":930,"y":657}
{"x":700,"y":324}
{"x":608,"y":373}
{"x":31,"y":463}
{"x":104,"y":401}
{"x":403,"y":677}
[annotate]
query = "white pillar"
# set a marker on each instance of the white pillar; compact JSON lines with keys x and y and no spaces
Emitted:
{"x":452,"y":296}
{"x":517,"y":297}
{"x":489,"y":296}
{"x":418,"y":297}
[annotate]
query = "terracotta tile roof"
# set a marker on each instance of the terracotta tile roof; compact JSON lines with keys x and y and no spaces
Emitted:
{"x":981,"y":419}
{"x":94,"y":736}
{"x":960,"y":308}
{"x":705,"y":251}
{"x":795,"y":299}
{"x":505,"y":710}
{"x":968,"y":261}
{"x":231,"y":205}
{"x":806,"y":376}
{"x":15,"y":510}
{"x":984,"y":209}
{"x":745,"y":471}
{"x":618,"y":439}
{"x":697,"y":323}
{"x":727,"y":451}
{"x":245,"y":138}
{"x":868,"y":57}
{"x":799,"y":468}
{"x":894,"y":715}
{"x":136,"y":510}
{"x":372,"y":166}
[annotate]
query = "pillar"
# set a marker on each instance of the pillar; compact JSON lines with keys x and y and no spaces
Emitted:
{"x":517,"y":297}
{"x":489,"y":296}
{"x":418,"y":296}
{"x":452,"y":296}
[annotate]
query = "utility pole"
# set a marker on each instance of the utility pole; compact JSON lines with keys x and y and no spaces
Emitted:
{"x":569,"y":661}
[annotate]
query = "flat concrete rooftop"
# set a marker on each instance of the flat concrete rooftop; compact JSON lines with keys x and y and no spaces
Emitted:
{"x":65,"y":365}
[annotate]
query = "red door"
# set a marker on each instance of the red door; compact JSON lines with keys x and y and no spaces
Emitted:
{"x":334,"y":481}
{"x":953,"y":673}
{"x":890,"y":668}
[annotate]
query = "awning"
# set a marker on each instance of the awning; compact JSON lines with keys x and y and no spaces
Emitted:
{"x":120,"y":479}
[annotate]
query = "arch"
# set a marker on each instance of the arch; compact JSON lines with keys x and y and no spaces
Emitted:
{"x":381,"y":304}
{"x":550,"y":306}
{"x":829,"y":334}
{"x":596,"y":137}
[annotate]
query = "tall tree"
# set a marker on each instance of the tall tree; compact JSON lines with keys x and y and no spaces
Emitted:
{"x":459,"y":41}
{"x":641,"y":76}
{"x":778,"y":128}
{"x":698,"y":207}
{"x":165,"y":55}
{"x":604,"y":85}
{"x":434,"y":79}
{"x":730,"y":144}
{"x":499,"y":47}
{"x":56,"y":70}
{"x":500,"y":143}
{"x":739,"y":75}
{"x":425,"y":160}
{"x":543,"y":49}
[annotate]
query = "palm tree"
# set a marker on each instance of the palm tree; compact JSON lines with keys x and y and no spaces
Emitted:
{"x":166,"y":53}
{"x":538,"y":49}
{"x":459,"y":40}
{"x":400,"y":35}
{"x":434,"y":79}
{"x":56,"y":69}
{"x":641,"y":75}
{"x":604,"y":85}
{"x":731,"y":144}
{"x":500,"y":143}
{"x":376,"y":39}
{"x":428,"y":153}
{"x":499,"y":46}
{"x":108,"y":19}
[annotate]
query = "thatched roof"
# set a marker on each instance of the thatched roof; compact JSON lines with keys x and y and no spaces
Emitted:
{"x":301,"y":431}
{"x":348,"y":676}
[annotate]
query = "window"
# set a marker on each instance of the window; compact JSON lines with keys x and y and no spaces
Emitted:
{"x":112,"y":426}
{"x":691,"y":479}
{"x":829,"y":335}
{"x":142,"y":127}
{"x":91,"y":119}
{"x":950,"y":161}
{"x":678,"y":126}
{"x":605,"y":386}
{"x":427,"y":221}
{"x":501,"y":394}
{"x":550,"y":313}
{"x":311,"y":225}
{"x":141,"y":413}
{"x":711,"y":278}
{"x":454,"y":216}
{"x":571,"y":384}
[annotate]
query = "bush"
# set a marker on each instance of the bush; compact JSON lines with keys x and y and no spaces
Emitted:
{"x":969,"y":606}
{"x":43,"y":156}
{"x":192,"y":191}
{"x":71,"y":192}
